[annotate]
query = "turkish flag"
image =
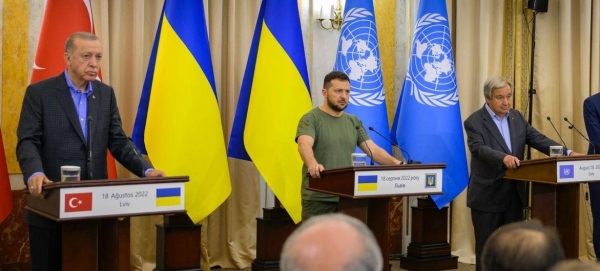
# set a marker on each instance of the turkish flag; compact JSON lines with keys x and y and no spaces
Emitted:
{"x":78,"y":202}
{"x":6,"y":202}
{"x":49,"y":57}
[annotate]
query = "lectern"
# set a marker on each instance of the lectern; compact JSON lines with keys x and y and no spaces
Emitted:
{"x":365,"y":192}
{"x":555,"y":192}
{"x":95,"y":225}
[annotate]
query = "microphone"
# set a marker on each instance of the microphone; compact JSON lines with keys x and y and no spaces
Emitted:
{"x":561,"y":140}
{"x":89,"y":160}
{"x":408,"y":161}
{"x":572,"y":127}
{"x":133,"y":147}
{"x":357,"y":130}
{"x":137,"y":154}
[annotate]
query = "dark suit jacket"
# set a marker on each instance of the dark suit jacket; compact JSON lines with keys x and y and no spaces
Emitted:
{"x":591,"y":116}
{"x":488,"y":191}
{"x":50,"y":136}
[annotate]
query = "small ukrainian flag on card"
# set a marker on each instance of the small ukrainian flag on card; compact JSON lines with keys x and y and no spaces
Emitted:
{"x":367,"y":183}
{"x":168,"y":196}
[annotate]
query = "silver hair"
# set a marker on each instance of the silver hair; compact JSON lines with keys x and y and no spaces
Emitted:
{"x":495,"y":82}
{"x":370,"y":259}
{"x":70,"y":44}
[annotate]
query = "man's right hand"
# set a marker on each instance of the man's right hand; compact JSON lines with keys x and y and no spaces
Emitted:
{"x":315,"y":170}
{"x":511,"y":162}
{"x":35,"y":185}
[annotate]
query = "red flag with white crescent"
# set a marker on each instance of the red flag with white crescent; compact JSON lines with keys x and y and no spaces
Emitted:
{"x":78,"y":202}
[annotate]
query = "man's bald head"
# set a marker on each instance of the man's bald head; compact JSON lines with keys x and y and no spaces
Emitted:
{"x":331,"y":242}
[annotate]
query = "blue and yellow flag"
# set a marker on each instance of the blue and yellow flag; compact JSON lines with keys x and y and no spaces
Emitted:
{"x":358,"y":57}
{"x":427,"y":122}
{"x":168,"y":196}
{"x":178,"y":121}
{"x":274,"y":96}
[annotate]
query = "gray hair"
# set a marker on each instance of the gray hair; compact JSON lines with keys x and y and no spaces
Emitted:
{"x":370,"y":259}
{"x":70,"y":44}
{"x":495,"y":82}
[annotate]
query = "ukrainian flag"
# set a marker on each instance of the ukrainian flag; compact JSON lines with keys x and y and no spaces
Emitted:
{"x":367,"y":183}
{"x":274,"y":96}
{"x":168,"y":196}
{"x":178,"y":121}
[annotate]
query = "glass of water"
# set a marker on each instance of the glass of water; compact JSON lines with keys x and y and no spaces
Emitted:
{"x":556,"y":151}
{"x":69,"y":173}
{"x":359,"y":159}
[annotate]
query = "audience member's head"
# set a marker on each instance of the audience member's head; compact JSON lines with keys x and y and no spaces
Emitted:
{"x":575,"y":265}
{"x":524,"y":246}
{"x":331,"y":242}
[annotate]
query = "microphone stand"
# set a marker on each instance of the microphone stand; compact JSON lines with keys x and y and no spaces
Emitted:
{"x":90,"y":153}
{"x":532,"y":91}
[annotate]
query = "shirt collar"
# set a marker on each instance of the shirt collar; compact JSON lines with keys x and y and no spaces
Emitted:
{"x":493,"y":114}
{"x":88,"y":88}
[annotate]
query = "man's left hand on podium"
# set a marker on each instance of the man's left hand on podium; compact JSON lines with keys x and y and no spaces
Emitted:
{"x":155,"y":173}
{"x":576,"y":154}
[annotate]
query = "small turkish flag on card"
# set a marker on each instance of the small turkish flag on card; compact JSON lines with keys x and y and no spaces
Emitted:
{"x":78,"y":202}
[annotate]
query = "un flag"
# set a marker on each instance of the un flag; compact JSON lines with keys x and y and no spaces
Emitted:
{"x":427,"y":122}
{"x":358,"y":56}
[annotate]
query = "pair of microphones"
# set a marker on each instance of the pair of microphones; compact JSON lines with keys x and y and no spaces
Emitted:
{"x":408,"y":160}
{"x":572,"y":127}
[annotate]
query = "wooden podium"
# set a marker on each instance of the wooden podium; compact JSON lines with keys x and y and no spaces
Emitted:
{"x":95,"y":225}
{"x":555,"y":192}
{"x":365,"y":192}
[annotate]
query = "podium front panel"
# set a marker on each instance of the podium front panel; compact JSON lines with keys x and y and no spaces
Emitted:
{"x":380,"y":181}
{"x":65,"y":201}
{"x":578,"y":171}
{"x":398,"y":182}
{"x":121,"y":200}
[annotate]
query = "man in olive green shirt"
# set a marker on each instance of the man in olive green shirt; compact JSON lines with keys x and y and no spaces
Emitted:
{"x":326,"y":138}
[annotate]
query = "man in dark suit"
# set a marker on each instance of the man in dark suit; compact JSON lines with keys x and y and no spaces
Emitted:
{"x":61,"y":119}
{"x":497,"y":136}
{"x":591,"y":116}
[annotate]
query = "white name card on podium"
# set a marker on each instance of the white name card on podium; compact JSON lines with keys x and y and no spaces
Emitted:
{"x":578,"y":171}
{"x":393,"y":182}
{"x":121,"y":200}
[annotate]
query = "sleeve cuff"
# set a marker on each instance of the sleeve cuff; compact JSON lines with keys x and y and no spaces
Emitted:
{"x":32,"y":175}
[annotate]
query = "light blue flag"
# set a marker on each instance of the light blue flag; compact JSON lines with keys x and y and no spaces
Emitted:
{"x":358,"y":56}
{"x":427,"y":122}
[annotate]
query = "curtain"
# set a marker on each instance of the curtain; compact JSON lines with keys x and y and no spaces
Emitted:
{"x":566,"y":72}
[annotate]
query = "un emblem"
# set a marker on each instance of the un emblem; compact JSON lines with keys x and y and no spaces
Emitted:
{"x":358,"y":57}
{"x":431,"y":68}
